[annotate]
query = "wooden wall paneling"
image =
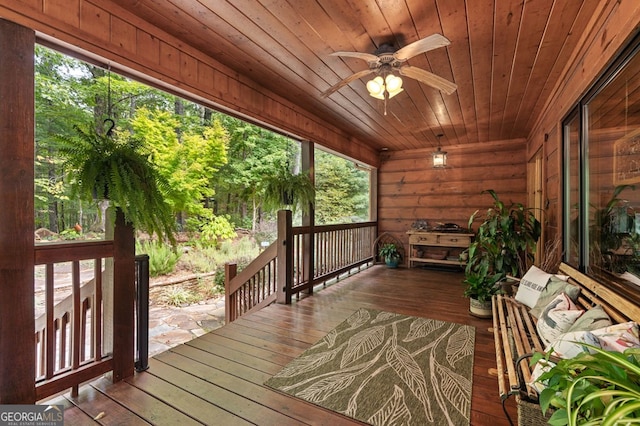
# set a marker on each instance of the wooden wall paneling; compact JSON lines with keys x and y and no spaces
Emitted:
{"x":67,"y":11}
{"x":95,"y":19}
{"x":148,"y":47}
{"x":409,"y":189}
{"x":123,"y":34}
{"x":17,"y":355}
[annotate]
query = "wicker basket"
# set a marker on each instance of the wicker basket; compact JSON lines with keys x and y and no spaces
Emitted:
{"x":530,"y":414}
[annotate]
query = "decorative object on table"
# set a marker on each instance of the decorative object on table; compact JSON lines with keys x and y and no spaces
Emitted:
{"x":391,"y":255}
{"x":420,"y":224}
{"x":504,"y":243}
{"x":382,"y":366}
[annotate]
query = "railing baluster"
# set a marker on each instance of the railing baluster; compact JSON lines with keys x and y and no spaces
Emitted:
{"x":96,"y":319}
{"x":48,"y":343}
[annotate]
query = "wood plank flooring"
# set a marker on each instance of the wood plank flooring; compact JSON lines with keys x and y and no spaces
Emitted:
{"x":217,"y":378}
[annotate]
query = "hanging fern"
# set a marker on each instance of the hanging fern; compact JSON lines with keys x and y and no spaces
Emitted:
{"x":116,"y":168}
{"x":284,"y":189}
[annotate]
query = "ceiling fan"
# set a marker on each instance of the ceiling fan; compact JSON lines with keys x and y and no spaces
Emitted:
{"x":387,"y":61}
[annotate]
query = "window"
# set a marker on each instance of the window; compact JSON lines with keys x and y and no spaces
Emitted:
{"x":602,"y":174}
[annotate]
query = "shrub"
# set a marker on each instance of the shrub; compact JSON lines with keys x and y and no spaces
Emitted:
{"x":162,"y":258}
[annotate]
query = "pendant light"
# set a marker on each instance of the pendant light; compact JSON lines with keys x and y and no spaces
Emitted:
{"x":439,"y":157}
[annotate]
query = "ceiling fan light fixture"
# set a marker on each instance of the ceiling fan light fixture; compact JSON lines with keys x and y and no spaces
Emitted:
{"x":376,"y":87}
{"x":394,"y":84}
{"x":439,"y":158}
{"x":391,"y":84}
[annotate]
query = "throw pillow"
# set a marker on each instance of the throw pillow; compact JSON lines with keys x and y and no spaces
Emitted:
{"x":531,"y":285}
{"x":592,"y":319}
{"x":569,"y":345}
{"x":554,"y":287}
{"x":556,"y":318}
{"x":618,"y":337}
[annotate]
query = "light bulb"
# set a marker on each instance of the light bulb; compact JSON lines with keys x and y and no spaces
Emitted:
{"x":375,"y":86}
{"x":394,"y":83}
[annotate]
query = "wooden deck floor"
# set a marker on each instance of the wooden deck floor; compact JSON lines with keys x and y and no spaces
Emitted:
{"x":217,"y":378}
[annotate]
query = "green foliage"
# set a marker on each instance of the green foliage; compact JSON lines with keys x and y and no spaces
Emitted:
{"x":116,"y":168}
{"x":178,"y":296}
{"x":505,"y":241}
{"x":205,"y":259}
{"x":283,"y":189}
{"x":70,"y":234}
{"x":186,"y":162}
{"x":390,"y":251}
{"x":602,"y":388}
{"x":215,"y":229}
{"x":342,"y":194}
{"x":162,"y":258}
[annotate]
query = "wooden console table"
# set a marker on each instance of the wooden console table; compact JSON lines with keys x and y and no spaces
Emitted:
{"x":433,"y":244}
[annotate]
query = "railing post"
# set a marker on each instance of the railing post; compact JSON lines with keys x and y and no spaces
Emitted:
{"x":230,"y":306}
{"x":285,"y":256}
{"x":124,"y":294}
{"x":142,"y":319}
{"x":308,"y":219}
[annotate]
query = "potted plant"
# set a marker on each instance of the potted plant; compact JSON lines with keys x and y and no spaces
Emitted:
{"x":503,"y":245}
{"x":392,"y":257}
{"x":597,"y":388}
{"x":284,"y":189}
{"x":115,"y":167}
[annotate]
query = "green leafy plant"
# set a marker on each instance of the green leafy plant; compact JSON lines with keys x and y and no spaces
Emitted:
{"x":162,"y":258}
{"x":285,"y":189}
{"x":599,"y":388}
{"x":390,"y":253}
{"x":118,"y":169}
{"x":504,"y":242}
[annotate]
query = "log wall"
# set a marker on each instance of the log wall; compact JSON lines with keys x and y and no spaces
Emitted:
{"x":112,"y":33}
{"x":411,"y":189}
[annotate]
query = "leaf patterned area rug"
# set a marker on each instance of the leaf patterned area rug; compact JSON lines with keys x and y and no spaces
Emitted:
{"x":385,"y":368}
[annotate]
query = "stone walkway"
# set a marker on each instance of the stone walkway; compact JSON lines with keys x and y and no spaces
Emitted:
{"x":170,"y":326}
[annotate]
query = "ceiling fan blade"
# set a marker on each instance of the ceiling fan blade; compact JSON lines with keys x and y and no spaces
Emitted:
{"x":434,"y":41}
{"x":429,"y":78}
{"x":364,"y":56}
{"x":346,"y":81}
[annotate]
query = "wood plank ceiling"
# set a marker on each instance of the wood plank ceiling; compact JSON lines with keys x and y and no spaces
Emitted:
{"x":505,"y":56}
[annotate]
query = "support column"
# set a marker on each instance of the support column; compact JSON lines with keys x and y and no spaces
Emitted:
{"x":17,"y":322}
{"x":285,"y":257}
{"x":308,"y":219}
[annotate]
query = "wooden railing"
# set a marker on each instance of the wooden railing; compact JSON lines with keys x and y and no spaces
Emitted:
{"x":76,"y":338}
{"x":69,"y":335}
{"x":299,"y":259}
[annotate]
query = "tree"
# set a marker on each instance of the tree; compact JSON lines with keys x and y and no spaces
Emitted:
{"x":342,"y":194}
{"x":189,"y":163}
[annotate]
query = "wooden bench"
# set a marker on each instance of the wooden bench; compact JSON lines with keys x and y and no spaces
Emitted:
{"x":516,"y":337}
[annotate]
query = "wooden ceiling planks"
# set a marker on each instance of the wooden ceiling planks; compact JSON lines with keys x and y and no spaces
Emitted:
{"x":530,"y":35}
{"x":566,"y":22}
{"x":481,"y":50}
{"x":505,"y":57}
